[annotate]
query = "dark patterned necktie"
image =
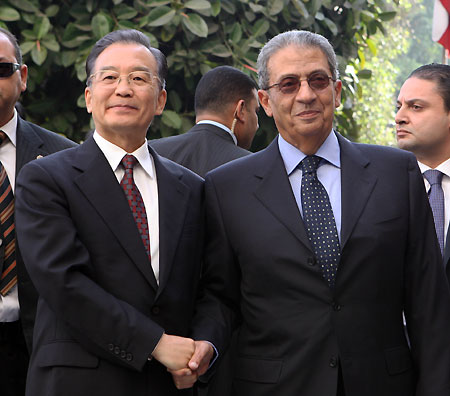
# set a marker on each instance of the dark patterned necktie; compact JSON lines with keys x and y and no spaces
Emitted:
{"x":436,"y":198}
{"x":319,"y":220}
{"x":135,"y":200}
{"x":9,"y":272}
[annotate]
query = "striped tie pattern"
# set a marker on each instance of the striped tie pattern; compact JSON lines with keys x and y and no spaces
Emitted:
{"x":135,"y":200}
{"x":9,"y":273}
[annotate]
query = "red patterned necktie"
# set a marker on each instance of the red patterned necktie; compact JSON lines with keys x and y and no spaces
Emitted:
{"x":135,"y":200}
{"x":9,"y":272}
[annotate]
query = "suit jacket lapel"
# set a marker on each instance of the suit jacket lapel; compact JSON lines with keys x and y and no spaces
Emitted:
{"x":357,"y":184}
{"x":28,"y":145}
{"x":99,"y":185}
{"x":275,"y":192}
{"x":173,"y":199}
{"x":447,"y":249}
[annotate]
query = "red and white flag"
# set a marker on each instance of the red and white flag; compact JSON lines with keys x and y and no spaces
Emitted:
{"x":441,"y":23}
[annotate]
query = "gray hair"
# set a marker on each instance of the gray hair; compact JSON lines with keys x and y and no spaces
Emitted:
{"x":301,"y":39}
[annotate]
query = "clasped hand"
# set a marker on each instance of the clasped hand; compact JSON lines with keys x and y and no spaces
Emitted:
{"x":184,"y":358}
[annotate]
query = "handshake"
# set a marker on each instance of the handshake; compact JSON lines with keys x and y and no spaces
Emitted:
{"x":184,"y":358}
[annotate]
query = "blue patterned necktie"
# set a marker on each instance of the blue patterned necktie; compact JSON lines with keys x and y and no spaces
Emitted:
{"x":436,"y":198}
{"x":319,"y":220}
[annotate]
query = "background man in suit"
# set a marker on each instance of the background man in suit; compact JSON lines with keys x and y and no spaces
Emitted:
{"x":21,"y":142}
{"x":423,"y":127}
{"x":318,"y":245}
{"x":226,"y":106}
{"x":118,"y":233}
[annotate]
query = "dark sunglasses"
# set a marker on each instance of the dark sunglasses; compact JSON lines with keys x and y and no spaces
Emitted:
{"x":290,"y":85}
{"x":7,"y":69}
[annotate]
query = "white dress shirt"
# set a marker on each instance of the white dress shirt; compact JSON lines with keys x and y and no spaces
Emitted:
{"x":219,"y":125}
{"x":445,"y":169}
{"x":145,"y":179}
{"x":9,"y":304}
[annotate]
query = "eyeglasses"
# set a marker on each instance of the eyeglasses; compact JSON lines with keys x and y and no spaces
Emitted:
{"x":7,"y":69}
{"x":110,"y":78}
{"x":291,"y":85}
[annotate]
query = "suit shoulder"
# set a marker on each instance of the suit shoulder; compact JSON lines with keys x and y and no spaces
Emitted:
{"x":178,"y":169}
{"x":374,"y":151}
{"x":47,"y":136}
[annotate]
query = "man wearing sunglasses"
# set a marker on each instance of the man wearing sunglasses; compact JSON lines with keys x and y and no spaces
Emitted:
{"x":21,"y":142}
{"x":317,"y":246}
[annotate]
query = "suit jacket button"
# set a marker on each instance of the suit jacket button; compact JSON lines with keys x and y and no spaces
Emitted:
{"x":123,"y":354}
{"x":155,"y":310}
{"x":336,"y":306}
{"x":129,"y":357}
{"x":311,"y":261}
{"x":111,"y":347}
{"x":333,"y":362}
{"x":117,"y":350}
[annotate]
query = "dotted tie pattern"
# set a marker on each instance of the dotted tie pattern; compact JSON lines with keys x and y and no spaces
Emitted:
{"x":319,"y":220}
{"x":436,"y":198}
{"x":9,"y":271}
{"x":135,"y":200}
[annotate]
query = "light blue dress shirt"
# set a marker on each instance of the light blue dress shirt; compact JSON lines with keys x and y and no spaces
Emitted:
{"x":329,"y":172}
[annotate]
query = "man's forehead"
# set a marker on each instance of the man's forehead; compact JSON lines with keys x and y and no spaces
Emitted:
{"x":135,"y":52}
{"x":6,"y":47}
{"x":295,"y":59}
{"x":417,"y":88}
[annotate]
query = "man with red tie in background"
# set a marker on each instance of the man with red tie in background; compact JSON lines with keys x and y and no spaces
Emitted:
{"x":20,"y":142}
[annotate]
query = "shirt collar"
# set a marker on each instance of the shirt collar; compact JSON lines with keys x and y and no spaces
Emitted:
{"x":292,"y":156}
{"x":10,"y":128}
{"x":219,"y":125}
{"x":114,"y":154}
{"x":444,"y":167}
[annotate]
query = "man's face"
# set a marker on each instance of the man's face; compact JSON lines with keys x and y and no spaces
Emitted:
{"x":123,"y":109}
{"x":10,"y":87}
{"x":251,"y":121}
{"x":304,"y":116}
{"x":422,"y":122}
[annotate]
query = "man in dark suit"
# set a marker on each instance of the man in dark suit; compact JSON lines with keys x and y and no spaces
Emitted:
{"x":226,"y":106}
{"x":318,"y":246}
{"x":423,"y":127}
{"x":21,"y":142}
{"x":114,"y":237}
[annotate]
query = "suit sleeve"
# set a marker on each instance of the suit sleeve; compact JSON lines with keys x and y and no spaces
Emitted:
{"x":427,"y":298}
{"x":217,"y":310}
{"x":60,"y":267}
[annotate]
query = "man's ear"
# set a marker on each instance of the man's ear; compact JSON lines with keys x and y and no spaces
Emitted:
{"x":87,"y":98}
{"x":239,"y":111}
{"x":264,"y":100}
{"x":23,"y":77}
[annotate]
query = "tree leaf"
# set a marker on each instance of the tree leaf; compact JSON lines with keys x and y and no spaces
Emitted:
{"x":100,"y":26}
{"x":372,"y":46}
{"x":261,"y":27}
{"x":387,"y":16}
{"x":51,"y":43}
{"x":52,"y":10}
{"x":365,"y":73}
{"x":9,"y":14}
{"x":198,"y":5}
{"x":25,"y":5}
{"x":236,"y":33}
{"x":195,"y":24}
{"x":27,"y":46}
{"x":160,"y":16}
{"x":42,"y":27}
{"x":123,"y":11}
{"x":171,"y":119}
{"x":275,"y":7}
{"x":39,"y":55}
{"x":331,"y":25}
{"x":301,"y":8}
{"x":215,"y":8}
{"x":68,"y":58}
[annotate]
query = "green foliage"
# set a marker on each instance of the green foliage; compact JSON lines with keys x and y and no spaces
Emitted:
{"x":195,"y":35}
